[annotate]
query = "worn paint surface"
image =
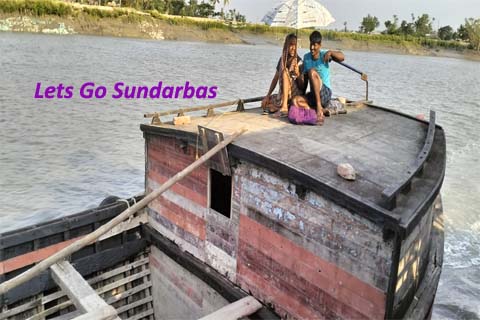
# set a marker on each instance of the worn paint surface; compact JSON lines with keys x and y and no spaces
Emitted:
{"x":178,"y":293}
{"x":291,"y":248}
{"x":182,"y":214}
{"x":305,"y":255}
{"x":414,"y":257}
{"x":32,"y":257}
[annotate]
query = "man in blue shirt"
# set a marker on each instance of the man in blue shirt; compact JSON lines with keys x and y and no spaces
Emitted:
{"x":316,"y":70}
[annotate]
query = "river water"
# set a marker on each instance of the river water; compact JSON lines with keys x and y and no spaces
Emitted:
{"x":62,"y":156}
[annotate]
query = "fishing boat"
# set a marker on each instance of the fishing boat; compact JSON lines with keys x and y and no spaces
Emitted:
{"x":245,"y":215}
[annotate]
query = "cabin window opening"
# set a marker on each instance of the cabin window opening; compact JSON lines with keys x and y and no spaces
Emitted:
{"x":220,"y":192}
{"x":301,"y":191}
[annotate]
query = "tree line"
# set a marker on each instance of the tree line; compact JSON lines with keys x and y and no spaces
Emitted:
{"x":421,"y":26}
{"x":192,"y":8}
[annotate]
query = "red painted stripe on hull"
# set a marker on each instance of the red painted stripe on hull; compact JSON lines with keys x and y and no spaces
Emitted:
{"x":180,"y":189}
{"x":335,"y":282}
{"x":175,"y":163}
{"x":179,"y":216}
{"x":27,"y":259}
{"x":260,"y":287}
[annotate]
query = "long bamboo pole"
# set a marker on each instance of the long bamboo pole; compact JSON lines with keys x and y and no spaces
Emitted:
{"x":92,"y":237}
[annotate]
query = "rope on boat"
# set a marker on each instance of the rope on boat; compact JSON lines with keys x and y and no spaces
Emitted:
{"x":126,"y":201}
{"x":92,"y":237}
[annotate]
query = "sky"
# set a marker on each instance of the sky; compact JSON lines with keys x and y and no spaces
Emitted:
{"x":445,"y":12}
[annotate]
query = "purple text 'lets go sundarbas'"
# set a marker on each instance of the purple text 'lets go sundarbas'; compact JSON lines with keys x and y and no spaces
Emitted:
{"x":89,"y":90}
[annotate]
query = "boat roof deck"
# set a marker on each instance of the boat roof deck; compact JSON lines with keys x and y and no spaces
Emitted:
{"x":380,"y":145}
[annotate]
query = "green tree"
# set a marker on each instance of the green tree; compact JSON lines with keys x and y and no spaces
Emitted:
{"x":206,"y":9}
{"x":191,"y":9}
{"x":445,"y":33}
{"x":392,"y":26}
{"x":177,"y":7}
{"x":369,"y":24}
{"x":167,"y":6}
{"x":423,"y":25}
{"x":473,"y":30}
{"x":214,"y":2}
{"x":407,"y":28}
{"x":240,"y":18}
{"x":158,"y":5}
{"x":462,"y":33}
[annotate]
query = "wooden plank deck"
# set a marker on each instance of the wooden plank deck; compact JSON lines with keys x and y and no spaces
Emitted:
{"x":379,"y":145}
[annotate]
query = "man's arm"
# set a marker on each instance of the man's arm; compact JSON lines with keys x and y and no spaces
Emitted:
{"x":336,"y":56}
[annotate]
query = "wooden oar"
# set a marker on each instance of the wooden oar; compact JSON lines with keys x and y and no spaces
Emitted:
{"x":92,"y":237}
{"x":363,"y":76}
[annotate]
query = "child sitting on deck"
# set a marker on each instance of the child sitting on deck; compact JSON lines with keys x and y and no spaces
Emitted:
{"x":289,"y":68}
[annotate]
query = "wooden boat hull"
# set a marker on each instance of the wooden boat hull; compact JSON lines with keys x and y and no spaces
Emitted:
{"x":298,"y":243}
{"x":133,"y":268}
{"x":140,"y":266}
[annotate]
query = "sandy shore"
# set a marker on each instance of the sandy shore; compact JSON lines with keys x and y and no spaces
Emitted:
{"x":151,"y":28}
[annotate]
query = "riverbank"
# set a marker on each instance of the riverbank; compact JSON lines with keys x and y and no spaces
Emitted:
{"x":115,"y":22}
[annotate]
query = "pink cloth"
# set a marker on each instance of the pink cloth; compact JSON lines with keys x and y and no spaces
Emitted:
{"x":298,"y":115}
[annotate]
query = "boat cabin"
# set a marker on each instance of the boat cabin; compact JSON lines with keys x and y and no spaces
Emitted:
{"x":273,"y":216}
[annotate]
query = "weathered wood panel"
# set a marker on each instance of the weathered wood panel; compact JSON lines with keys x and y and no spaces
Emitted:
{"x":221,"y":244}
{"x":180,"y":221}
{"x":165,"y":158}
{"x":327,"y":229}
{"x":182,"y":202}
{"x":182,"y":218}
{"x":80,"y":292}
{"x":316,"y":284}
{"x":236,"y":310}
{"x":179,"y":187}
{"x":179,"y":294}
{"x":202,"y":271}
{"x":111,"y":284}
{"x":32,"y":257}
{"x":414,"y":256}
{"x":314,"y":257}
{"x":182,"y":213}
{"x":330,"y":262}
{"x":175,"y":161}
{"x":420,"y":307}
{"x":17,"y":242}
{"x":182,"y":238}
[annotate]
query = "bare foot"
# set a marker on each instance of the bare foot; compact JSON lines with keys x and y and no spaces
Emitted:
{"x":320,"y":119}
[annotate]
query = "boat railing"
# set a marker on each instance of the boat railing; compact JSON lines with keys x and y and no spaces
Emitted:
{"x":209,"y":108}
{"x":389,"y":194}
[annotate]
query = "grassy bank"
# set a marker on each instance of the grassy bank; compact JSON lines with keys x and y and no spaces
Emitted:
{"x":154,"y":25}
